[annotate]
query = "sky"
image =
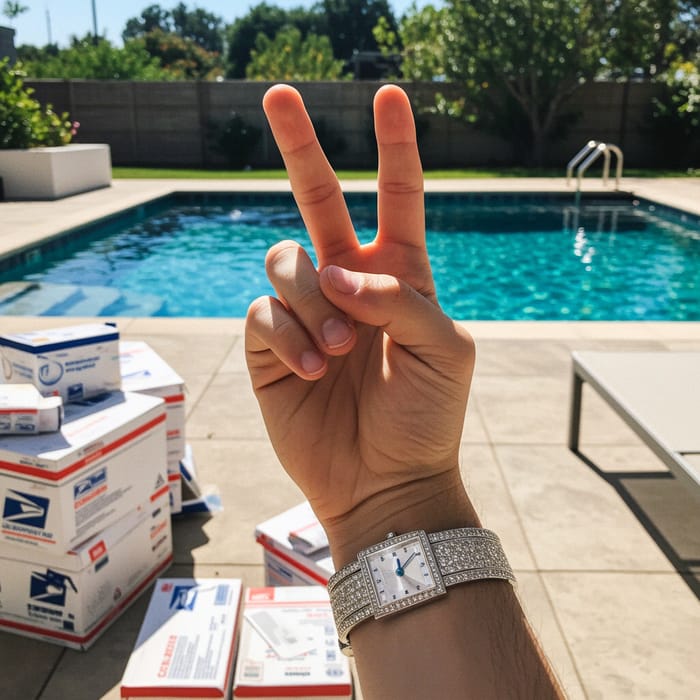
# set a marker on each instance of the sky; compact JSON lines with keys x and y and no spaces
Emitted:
{"x":74,"y":17}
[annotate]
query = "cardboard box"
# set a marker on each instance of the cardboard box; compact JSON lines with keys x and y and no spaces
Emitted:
{"x":289,"y":646}
{"x":75,"y":362}
{"x":285,"y":565}
{"x":144,"y":371}
{"x":24,"y":411}
{"x":58,"y":489}
{"x":187,"y":642}
{"x":70,"y":599}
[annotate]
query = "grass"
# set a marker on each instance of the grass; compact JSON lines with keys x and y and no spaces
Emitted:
{"x":471,"y":173}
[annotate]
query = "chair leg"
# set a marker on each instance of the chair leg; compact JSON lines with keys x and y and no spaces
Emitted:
{"x":575,"y":411}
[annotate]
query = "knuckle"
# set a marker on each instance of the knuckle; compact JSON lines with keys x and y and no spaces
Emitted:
{"x":313,"y":196}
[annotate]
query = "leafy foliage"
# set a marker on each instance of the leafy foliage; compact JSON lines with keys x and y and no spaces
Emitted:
{"x":24,"y":122}
{"x":236,"y":139}
{"x":268,"y":20}
{"x":181,"y":58}
{"x":676,"y":114}
{"x":203,"y":28}
{"x":99,"y":60}
{"x":290,"y":57}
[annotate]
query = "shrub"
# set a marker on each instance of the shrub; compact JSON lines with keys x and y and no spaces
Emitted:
{"x":676,"y":116}
{"x":24,"y":122}
{"x":236,"y":140}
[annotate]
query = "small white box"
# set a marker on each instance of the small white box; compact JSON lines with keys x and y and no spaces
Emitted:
{"x":289,"y":646}
{"x":75,"y":362}
{"x":24,"y":411}
{"x":70,"y":599}
{"x":58,"y":489}
{"x":186,"y":645}
{"x":284,"y":565}
{"x":144,"y":371}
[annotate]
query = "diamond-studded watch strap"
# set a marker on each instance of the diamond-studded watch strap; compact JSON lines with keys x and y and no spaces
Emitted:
{"x":462,"y":555}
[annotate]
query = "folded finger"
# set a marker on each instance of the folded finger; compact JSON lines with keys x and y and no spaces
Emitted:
{"x":315,"y":185}
{"x":276,"y":344}
{"x":296,"y":281}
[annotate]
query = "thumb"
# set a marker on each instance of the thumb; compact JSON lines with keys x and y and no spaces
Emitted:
{"x":404,"y":314}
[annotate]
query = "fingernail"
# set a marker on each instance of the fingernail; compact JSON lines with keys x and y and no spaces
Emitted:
{"x":311,"y":362}
{"x":335,"y":332}
{"x":344,"y":281}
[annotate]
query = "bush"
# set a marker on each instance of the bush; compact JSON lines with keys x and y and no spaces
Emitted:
{"x":676,"y":116}
{"x":236,"y":140}
{"x":24,"y":122}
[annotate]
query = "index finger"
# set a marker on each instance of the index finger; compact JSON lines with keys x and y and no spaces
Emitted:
{"x":314,"y":184}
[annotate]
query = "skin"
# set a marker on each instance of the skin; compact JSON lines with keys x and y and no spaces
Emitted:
{"x":363,"y":384}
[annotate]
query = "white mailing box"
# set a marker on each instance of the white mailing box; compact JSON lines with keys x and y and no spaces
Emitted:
{"x":58,"y":489}
{"x":144,"y":371}
{"x":75,"y":362}
{"x":70,"y":599}
{"x":285,"y":565}
{"x":186,"y":645}
{"x":289,"y":646}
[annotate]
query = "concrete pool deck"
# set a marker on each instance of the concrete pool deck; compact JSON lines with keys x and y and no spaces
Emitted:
{"x":606,"y":547}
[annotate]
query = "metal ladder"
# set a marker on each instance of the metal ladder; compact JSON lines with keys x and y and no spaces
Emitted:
{"x":589,"y":154}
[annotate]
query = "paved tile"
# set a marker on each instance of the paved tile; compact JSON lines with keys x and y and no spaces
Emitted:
{"x":491,"y":498}
{"x":631,"y":635}
{"x":573,"y":520}
{"x":545,"y":626}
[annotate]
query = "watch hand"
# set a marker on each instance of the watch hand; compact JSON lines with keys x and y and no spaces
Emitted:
{"x":399,"y":568}
{"x":408,"y":561}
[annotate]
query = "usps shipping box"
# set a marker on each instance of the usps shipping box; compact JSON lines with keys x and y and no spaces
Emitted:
{"x":289,"y":646}
{"x":75,"y":362}
{"x":295,"y":548}
{"x":187,"y":642}
{"x":58,"y":489}
{"x":70,"y":599}
{"x":146,"y":372}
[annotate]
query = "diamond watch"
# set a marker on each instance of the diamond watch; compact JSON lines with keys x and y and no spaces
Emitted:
{"x":411,"y":569}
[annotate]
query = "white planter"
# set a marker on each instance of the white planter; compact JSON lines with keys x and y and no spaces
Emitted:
{"x":53,"y":172}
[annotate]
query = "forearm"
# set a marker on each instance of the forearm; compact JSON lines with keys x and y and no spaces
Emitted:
{"x":474,"y":642}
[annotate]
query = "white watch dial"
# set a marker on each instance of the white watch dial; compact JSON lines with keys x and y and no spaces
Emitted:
{"x":401,"y":572}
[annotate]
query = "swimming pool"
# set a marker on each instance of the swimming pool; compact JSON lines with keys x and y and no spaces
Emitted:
{"x":495,"y":257}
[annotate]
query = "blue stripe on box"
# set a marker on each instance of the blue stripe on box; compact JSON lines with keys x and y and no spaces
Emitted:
{"x":51,"y":347}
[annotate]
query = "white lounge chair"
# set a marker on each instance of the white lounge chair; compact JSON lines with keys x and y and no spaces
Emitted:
{"x":656,"y":393}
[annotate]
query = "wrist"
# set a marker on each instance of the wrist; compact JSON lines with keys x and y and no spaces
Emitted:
{"x":438,"y":502}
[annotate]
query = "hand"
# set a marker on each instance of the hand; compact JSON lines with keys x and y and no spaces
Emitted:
{"x":361,"y":378}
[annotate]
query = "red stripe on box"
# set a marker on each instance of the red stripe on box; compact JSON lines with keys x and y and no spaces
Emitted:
{"x":285,"y":691}
{"x":41,"y":631}
{"x":135,"y":691}
{"x":290,"y":560}
{"x":157,"y":494}
{"x":175,"y":398}
{"x":57,"y":476}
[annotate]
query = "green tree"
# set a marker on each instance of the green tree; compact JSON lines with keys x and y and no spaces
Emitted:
{"x":204,"y":28}
{"x":350,"y":24}
{"x":12,"y":10}
{"x":268,"y":20}
{"x":197,"y":26}
{"x":151,"y":18}
{"x":511,"y":66}
{"x":289,"y":56}
{"x":181,"y":58}
{"x":97,"y":61}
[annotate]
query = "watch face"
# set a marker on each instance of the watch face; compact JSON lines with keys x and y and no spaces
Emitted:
{"x":401,"y":571}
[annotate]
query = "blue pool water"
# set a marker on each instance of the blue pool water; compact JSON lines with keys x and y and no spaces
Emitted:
{"x":493,"y":256}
